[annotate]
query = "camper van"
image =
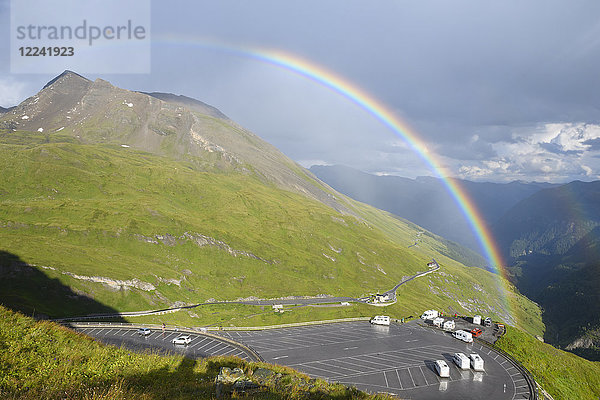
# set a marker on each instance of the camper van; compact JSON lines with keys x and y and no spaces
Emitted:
{"x":380,"y":320}
{"x":449,"y":325}
{"x":463,"y":335}
{"x":429,"y":314}
{"x":461,"y":360}
{"x":438,"y":322}
{"x":442,"y":368}
{"x":477,"y":319}
{"x":476,"y":362}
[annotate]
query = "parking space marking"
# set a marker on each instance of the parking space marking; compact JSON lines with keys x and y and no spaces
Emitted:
{"x":328,"y":364}
{"x":198,"y":343}
{"x":208,"y":343}
{"x":400,"y":382}
{"x":424,"y":377}
{"x":344,"y":362}
{"x":220,"y":351}
{"x":229,"y":350}
{"x":329,"y":373}
{"x":411,"y":378}
{"x":212,"y":347}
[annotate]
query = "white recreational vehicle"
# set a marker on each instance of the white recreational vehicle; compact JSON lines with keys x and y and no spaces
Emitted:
{"x":461,"y":360}
{"x":438,"y":322}
{"x":476,"y":362}
{"x":442,"y":368}
{"x":477,"y":320}
{"x":430,"y":314}
{"x":380,"y":320}
{"x":449,"y":325}
{"x":463,"y":335}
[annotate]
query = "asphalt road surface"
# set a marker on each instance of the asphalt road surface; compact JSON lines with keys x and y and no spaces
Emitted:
{"x":200,"y":346}
{"x":397,"y":359}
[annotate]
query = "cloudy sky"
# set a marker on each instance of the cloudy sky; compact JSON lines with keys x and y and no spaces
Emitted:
{"x":497,"y":91}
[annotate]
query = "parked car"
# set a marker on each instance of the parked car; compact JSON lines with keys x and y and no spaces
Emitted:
{"x":144,"y":331}
{"x":476,"y":332}
{"x":442,"y":368}
{"x":476,"y":362}
{"x":380,"y":320}
{"x":477,"y":320}
{"x":461,"y":360}
{"x":182,"y":339}
{"x":487,"y":321}
{"x":439,"y":321}
{"x":463,"y":335}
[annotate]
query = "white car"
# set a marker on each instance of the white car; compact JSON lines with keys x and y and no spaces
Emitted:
{"x":182,"y":339}
{"x":144,"y":331}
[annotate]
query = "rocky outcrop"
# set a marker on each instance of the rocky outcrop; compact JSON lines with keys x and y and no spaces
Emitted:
{"x":203,"y":240}
{"x":584,"y":342}
{"x":233,"y":380}
{"x":115,"y":283}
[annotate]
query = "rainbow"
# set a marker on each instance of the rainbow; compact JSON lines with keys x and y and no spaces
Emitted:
{"x":379,"y":111}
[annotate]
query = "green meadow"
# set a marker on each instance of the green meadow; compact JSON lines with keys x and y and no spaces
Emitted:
{"x":78,"y":212}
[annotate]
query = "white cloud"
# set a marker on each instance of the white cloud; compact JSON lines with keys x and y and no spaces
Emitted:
{"x":12,"y":92}
{"x":548,"y":152}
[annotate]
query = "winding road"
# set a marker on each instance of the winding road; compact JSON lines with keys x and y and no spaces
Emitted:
{"x":261,"y":302}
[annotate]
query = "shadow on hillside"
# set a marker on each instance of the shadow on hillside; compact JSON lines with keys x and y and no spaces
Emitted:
{"x":29,"y":290}
{"x":185,"y":383}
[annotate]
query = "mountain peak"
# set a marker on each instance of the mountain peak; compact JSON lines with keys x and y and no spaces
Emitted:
{"x":188,"y":102}
{"x":65,"y":75}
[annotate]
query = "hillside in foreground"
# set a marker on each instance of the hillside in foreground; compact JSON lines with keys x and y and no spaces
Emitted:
{"x":562,"y":374}
{"x":132,"y":203}
{"x":41,"y":360}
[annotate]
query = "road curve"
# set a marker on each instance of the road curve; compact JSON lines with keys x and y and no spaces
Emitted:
{"x":259,"y":302}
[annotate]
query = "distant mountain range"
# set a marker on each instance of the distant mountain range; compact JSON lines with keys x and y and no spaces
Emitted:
{"x":425,"y":201}
{"x":553,"y":241}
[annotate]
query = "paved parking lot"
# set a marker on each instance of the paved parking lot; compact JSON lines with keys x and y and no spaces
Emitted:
{"x":397,"y":359}
{"x":200,"y":346}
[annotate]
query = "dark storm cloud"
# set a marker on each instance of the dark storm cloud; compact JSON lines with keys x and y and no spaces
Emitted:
{"x":474,"y":79}
{"x":558,"y":149}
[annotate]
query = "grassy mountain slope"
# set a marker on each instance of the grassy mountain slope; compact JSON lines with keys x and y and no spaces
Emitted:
{"x":563,"y":375}
{"x":43,"y":360}
{"x":208,"y":211}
